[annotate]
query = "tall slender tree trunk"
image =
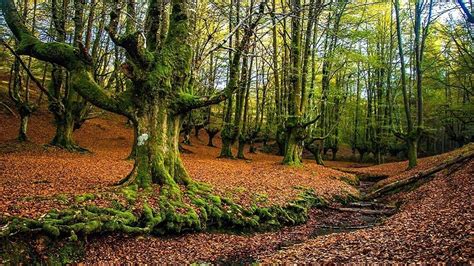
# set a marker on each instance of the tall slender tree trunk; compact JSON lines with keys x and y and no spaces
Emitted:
{"x":74,"y":106}
{"x":243,"y":132}
{"x":293,"y":132}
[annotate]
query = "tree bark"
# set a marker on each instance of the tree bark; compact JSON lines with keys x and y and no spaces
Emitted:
{"x":159,"y":94}
{"x":157,"y":159}
{"x":293,"y":143}
{"x":24,"y":117}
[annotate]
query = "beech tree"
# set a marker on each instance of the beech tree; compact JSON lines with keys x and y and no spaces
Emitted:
{"x":19,"y":85}
{"x":421,"y":28}
{"x":160,"y":94}
{"x":237,"y":82}
{"x":296,"y":123}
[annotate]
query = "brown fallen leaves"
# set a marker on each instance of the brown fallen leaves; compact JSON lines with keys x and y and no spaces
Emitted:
{"x":397,"y":170}
{"x":435,"y":225}
{"x":34,"y":179}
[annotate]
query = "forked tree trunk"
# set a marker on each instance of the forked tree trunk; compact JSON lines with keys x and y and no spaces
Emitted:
{"x":66,"y":122}
{"x":228,"y":136}
{"x":209,"y":143}
{"x":157,"y":159}
{"x":211,"y":132}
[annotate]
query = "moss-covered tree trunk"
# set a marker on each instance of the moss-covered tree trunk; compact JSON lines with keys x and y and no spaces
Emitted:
{"x":157,"y":159}
{"x":22,"y":103}
{"x":293,"y":145}
{"x":318,"y":156}
{"x":243,"y":134}
{"x":228,"y":136}
{"x":294,"y":148}
{"x":63,"y":137}
{"x":60,"y":87}
{"x":67,"y":118}
{"x":230,"y":131}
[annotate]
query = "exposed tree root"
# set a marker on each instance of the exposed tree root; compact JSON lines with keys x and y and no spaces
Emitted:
{"x":420,"y":176}
{"x":195,"y":210}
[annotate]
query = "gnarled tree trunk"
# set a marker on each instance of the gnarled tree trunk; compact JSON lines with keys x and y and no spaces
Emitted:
{"x":157,"y":159}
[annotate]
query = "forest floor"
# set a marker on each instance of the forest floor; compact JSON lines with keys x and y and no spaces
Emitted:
{"x":36,"y":178}
{"x":433,"y":223}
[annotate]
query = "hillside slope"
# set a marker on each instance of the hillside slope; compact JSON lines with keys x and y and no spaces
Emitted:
{"x":433,"y":225}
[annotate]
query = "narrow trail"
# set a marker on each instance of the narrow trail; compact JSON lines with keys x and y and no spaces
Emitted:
{"x":335,"y":219}
{"x":354,"y":215}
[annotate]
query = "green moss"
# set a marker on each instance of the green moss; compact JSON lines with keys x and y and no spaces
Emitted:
{"x":353,"y":181}
{"x":84,"y":197}
{"x":23,"y":251}
{"x":215,"y":199}
{"x":151,"y":218}
{"x":117,"y":205}
{"x":91,"y":227}
{"x":175,"y":215}
{"x":345,"y":198}
{"x":130,"y":193}
{"x":62,"y":199}
{"x":50,"y":229}
{"x":261,"y":197}
{"x":73,"y":236}
{"x":68,"y":253}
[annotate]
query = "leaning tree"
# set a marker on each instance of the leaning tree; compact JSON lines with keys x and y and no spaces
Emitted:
{"x":160,"y":94}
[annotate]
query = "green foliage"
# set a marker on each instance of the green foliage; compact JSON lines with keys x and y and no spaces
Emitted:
{"x":84,"y":197}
